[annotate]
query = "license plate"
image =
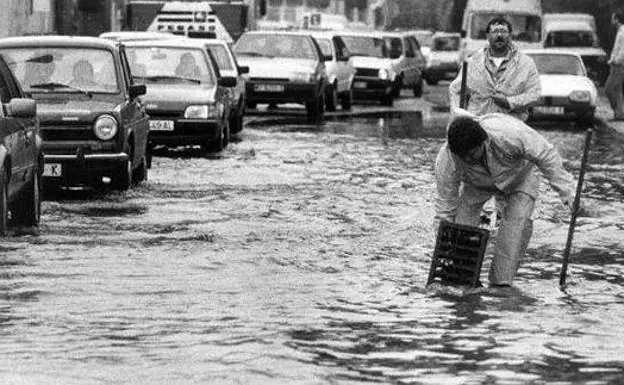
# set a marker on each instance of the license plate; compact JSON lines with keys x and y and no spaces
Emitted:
{"x":359,"y":84}
{"x":161,"y":125}
{"x":53,"y":169}
{"x":549,"y":110}
{"x":269,"y":88}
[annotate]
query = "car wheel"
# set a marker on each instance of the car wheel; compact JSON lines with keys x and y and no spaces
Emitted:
{"x":219,"y":144}
{"x":347,"y":100}
{"x":316,"y":109}
{"x":140,"y":174}
{"x":332,"y":98}
{"x":27,"y":210}
{"x":123,"y":178}
{"x":418,"y":89}
{"x":396,"y":89}
{"x":236,"y":121}
{"x":388,"y":99}
{"x":4,"y":203}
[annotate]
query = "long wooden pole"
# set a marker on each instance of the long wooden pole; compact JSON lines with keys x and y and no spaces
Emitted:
{"x":575,"y":206}
{"x":463,"y":98}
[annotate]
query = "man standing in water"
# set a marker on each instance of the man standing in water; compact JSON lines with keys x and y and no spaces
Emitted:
{"x":497,"y":155}
{"x":613,"y":85}
{"x":500,"y":78}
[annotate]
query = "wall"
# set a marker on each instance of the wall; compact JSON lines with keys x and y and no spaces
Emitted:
{"x":26,"y":17}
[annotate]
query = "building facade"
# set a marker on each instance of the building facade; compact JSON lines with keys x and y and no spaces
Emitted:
{"x":26,"y":17}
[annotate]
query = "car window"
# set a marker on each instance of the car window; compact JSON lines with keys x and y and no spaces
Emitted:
{"x":394,"y":45}
{"x":5,"y":93}
{"x":276,"y":45}
{"x":558,"y":64}
{"x":409,"y":50}
{"x":571,"y":39}
{"x":446,"y":43}
{"x":154,"y":64}
{"x":326,"y":46}
{"x":221,"y":55}
{"x":341,"y":48}
{"x":424,"y":38}
{"x":365,"y":46}
{"x":64,"y":69}
{"x":10,"y":88}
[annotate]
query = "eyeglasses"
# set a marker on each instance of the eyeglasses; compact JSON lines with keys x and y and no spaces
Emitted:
{"x":499,"y":31}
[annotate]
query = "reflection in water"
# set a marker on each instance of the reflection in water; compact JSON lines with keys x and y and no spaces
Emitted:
{"x":306,"y":265}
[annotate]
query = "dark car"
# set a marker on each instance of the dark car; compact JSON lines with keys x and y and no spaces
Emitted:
{"x":284,"y":67}
{"x":93,"y":125}
{"x":21,"y":159}
{"x":188,"y":100}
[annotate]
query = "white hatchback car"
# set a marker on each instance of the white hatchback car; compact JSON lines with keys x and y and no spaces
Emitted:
{"x":567,"y":91}
{"x":340,"y":71}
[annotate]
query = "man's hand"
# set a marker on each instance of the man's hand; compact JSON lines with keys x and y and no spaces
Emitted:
{"x":501,"y":100}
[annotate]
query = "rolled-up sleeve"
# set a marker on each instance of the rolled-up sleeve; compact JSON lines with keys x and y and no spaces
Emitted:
{"x":447,"y":185}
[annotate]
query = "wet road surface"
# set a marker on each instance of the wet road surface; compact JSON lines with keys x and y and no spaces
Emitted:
{"x":299,"y":256}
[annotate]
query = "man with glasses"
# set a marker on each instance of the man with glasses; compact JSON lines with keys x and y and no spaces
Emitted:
{"x":497,"y":155}
{"x":500,"y":78}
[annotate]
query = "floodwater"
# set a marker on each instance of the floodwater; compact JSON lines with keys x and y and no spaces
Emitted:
{"x":299,"y":256}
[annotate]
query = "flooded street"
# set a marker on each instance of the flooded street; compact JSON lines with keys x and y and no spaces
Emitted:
{"x":299,"y":255}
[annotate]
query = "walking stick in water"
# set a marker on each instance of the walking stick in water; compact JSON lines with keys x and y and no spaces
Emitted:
{"x":463,"y":97}
{"x":575,"y":207}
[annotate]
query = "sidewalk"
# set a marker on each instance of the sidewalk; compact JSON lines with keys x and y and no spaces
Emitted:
{"x":604,"y":115}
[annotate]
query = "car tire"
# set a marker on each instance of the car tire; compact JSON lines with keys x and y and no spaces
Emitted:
{"x":123,"y":177}
{"x":4,"y":202}
{"x":418,"y":88}
{"x":27,"y":209}
{"x":347,"y":100}
{"x":387,"y":99}
{"x":236,"y":121}
{"x":140,"y":174}
{"x":316,"y":109}
{"x":332,"y":98}
{"x":222,"y":142}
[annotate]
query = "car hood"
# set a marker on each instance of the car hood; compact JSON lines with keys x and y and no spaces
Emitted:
{"x":370,"y":62}
{"x":168,"y":97}
{"x":444,"y":56}
{"x":74,"y":111}
{"x":583,"y":51}
{"x":562,"y":85}
{"x":276,"y":67}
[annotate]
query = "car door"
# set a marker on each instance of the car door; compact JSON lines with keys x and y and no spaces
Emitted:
{"x":345,"y":69}
{"x":133,"y":112}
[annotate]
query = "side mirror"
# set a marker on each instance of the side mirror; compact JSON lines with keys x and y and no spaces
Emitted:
{"x":243,"y":69}
{"x":137,"y":90}
{"x":227,"y":81}
{"x":22,"y":108}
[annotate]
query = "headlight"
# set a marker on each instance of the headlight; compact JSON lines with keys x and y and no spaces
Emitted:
{"x":105,"y":127}
{"x":303,"y":77}
{"x":203,"y":111}
{"x":383,"y":74}
{"x":580,"y":96}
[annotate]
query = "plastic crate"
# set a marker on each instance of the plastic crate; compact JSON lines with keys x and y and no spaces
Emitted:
{"x":458,"y":255}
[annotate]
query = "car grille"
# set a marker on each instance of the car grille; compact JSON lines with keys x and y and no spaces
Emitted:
{"x":369,"y":72}
{"x":283,"y":80}
{"x":165,"y":114}
{"x":67,"y":133}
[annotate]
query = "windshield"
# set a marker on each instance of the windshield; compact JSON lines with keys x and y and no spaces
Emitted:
{"x":325,"y":45}
{"x":571,"y":39}
{"x":63,"y":69}
{"x":446,"y":43}
{"x":221,"y":55}
{"x":275,"y":45}
{"x":548,"y":64}
{"x":425,"y":38}
{"x":525,"y":28}
{"x":365,"y":46}
{"x":170,"y":64}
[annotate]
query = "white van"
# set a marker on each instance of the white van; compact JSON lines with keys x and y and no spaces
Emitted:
{"x":525,"y":17}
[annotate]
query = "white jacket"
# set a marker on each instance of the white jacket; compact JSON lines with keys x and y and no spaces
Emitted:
{"x":515,"y":153}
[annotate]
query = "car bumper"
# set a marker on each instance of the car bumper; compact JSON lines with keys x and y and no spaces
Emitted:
{"x":185,"y":132}
{"x":81,"y":167}
{"x":562,"y":107}
{"x":371,"y":88}
{"x":260,"y":92}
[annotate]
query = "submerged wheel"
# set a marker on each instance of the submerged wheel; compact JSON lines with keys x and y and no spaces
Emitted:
{"x":123,"y":177}
{"x":27,"y":209}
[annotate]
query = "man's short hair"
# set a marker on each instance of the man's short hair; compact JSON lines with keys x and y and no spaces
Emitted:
{"x":498,"y":20}
{"x":465,"y":134}
{"x":619,"y":15}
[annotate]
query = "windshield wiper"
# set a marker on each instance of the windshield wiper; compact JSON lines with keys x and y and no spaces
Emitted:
{"x":253,"y":53}
{"x":167,"y":77}
{"x":53,"y":85}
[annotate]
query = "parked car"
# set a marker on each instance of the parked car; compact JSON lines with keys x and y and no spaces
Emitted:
{"x":407,"y":61}
{"x":187,"y":100}
{"x":375,"y":77}
{"x":21,"y":158}
{"x":228,"y":67}
{"x":567,"y":91}
{"x":443,"y":63}
{"x":340,"y":71}
{"x":284,"y":67}
{"x":93,"y":124}
{"x":136,"y":35}
{"x":580,"y":36}
{"x":425,"y":39}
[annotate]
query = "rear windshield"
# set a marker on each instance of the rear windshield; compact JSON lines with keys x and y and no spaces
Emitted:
{"x":571,"y":39}
{"x":170,"y":65}
{"x":63,"y":69}
{"x":275,"y":45}
{"x":365,"y":46}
